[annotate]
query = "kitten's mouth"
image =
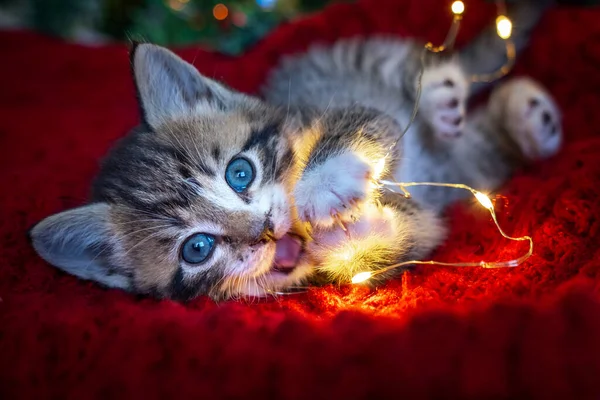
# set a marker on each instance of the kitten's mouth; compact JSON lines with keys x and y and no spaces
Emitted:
{"x":287,"y":253}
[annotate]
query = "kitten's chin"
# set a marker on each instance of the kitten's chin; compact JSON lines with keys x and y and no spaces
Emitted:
{"x":277,"y":266}
{"x":274,"y":282}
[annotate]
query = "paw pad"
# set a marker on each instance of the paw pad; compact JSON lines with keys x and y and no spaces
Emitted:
{"x":443,"y":101}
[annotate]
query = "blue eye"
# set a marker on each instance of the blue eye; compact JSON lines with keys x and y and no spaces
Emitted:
{"x":239,"y":174}
{"x":197,"y":248}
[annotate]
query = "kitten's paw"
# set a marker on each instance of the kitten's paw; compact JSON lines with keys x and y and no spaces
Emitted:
{"x":333,"y":190}
{"x":373,"y":221}
{"x":443,"y":99}
{"x":530,"y":116}
{"x":368,"y":243}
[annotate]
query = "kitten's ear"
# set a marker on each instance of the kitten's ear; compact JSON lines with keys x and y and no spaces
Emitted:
{"x":169,"y":87}
{"x":78,"y":241}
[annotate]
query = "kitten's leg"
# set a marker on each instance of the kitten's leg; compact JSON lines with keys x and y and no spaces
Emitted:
{"x":529,"y":115}
{"x":444,"y":93}
{"x":352,"y":150}
{"x":383,"y":235}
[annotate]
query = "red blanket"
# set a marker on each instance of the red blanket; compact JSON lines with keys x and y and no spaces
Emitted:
{"x":530,"y":331}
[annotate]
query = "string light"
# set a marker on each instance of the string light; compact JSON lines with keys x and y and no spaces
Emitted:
{"x":504,"y":31}
{"x":503,"y":27}
{"x":485,"y":201}
{"x":362,"y":277}
{"x":177,"y":5}
{"x":458,"y":7}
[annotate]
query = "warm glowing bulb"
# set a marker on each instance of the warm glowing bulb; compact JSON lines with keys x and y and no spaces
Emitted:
{"x":458,"y":7}
{"x":177,"y":5}
{"x":503,"y":26}
{"x":379,"y":167}
{"x":484,"y":200}
{"x":220,"y":12}
{"x":361,"y":277}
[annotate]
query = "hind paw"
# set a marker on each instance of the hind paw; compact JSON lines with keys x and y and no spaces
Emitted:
{"x":443,"y":99}
{"x":531,"y":117}
{"x":333,"y":192}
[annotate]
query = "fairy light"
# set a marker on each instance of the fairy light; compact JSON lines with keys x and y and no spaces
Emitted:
{"x":177,"y":5}
{"x":485,"y":201}
{"x":503,"y":27}
{"x":504,"y":31}
{"x":379,"y":168}
{"x":362,"y":277}
{"x":458,"y":7}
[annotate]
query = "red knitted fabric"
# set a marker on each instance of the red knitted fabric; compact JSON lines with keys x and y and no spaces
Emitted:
{"x":528,"y":332}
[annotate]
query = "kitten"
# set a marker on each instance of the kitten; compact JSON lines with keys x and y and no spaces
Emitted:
{"x":219,"y":193}
{"x":520,"y":123}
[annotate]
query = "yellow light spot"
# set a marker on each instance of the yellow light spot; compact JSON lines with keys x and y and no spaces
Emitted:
{"x":378,"y":168}
{"x":503,"y":26}
{"x":347,"y":255}
{"x":458,"y":7}
{"x":484,"y":200}
{"x":176,"y":5}
{"x":220,"y":12}
{"x":361,"y":277}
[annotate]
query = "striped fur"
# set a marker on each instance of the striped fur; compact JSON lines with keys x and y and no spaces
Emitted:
{"x":444,"y":144}
{"x":315,"y":154}
{"x":165,"y":182}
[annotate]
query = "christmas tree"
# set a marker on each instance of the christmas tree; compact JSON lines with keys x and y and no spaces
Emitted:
{"x":229,"y":26}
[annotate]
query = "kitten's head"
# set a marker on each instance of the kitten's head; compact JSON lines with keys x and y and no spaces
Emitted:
{"x":197,"y":201}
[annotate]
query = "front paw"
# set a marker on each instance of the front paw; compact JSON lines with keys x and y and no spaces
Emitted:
{"x":333,"y":190}
{"x":373,"y":221}
{"x":443,"y":99}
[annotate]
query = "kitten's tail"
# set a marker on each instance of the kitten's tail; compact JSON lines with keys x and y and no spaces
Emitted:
{"x":487,"y":52}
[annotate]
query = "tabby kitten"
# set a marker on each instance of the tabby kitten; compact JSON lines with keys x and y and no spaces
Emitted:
{"x":222,"y":194}
{"x":519,"y":124}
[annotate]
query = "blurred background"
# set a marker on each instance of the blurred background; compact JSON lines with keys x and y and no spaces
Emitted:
{"x":229,"y":26}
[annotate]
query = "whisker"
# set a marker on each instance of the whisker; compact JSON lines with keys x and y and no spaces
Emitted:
{"x":153,"y":215}
{"x":287,"y":113}
{"x":142,"y":241}
{"x":143,"y":230}
{"x":101,"y":252}
{"x":137,"y":221}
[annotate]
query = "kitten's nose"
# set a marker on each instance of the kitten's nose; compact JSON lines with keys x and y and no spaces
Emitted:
{"x":266,"y":235}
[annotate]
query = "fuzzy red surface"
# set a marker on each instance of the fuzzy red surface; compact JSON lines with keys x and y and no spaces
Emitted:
{"x":528,"y":332}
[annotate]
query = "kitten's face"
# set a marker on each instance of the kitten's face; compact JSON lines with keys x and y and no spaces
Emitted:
{"x":197,"y":203}
{"x":206,"y":200}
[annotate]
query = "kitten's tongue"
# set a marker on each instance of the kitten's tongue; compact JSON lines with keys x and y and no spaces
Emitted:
{"x":287,"y":252}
